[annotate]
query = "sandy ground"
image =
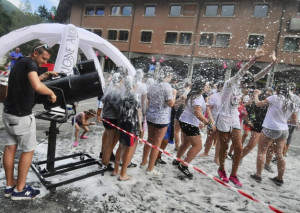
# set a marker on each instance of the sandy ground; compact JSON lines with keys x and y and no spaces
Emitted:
{"x":165,"y":193}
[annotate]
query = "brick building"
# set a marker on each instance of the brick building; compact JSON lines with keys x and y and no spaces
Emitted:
{"x":201,"y":34}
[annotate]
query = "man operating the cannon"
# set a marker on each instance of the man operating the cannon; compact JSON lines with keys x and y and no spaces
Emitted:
{"x":19,"y":121}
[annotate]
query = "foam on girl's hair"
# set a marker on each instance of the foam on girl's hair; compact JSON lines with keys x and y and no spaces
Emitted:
{"x":128,"y":83}
{"x":123,"y":71}
{"x":283,"y":89}
{"x":139,"y":74}
{"x":116,"y":78}
{"x":164,"y":72}
{"x":149,"y":82}
{"x":196,"y":89}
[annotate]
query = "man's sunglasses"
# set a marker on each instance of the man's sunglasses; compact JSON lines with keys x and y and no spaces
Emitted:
{"x":43,"y":45}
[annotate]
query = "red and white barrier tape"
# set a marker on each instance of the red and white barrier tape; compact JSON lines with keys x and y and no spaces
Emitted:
{"x":5,"y":73}
{"x":198,"y":170}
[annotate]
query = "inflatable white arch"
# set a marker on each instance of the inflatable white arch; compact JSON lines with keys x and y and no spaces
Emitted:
{"x":70,"y":39}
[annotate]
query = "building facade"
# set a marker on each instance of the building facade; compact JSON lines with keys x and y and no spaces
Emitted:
{"x":194,"y":32}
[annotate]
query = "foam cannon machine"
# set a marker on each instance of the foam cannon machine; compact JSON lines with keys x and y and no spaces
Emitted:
{"x":68,"y":89}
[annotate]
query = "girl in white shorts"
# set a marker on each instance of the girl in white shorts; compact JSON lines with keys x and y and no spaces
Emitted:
{"x":228,"y":123}
{"x":212,"y":110}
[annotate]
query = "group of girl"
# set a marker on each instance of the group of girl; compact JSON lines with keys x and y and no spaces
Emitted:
{"x":267,"y":118}
{"x":130,"y":103}
{"x":269,"y":126}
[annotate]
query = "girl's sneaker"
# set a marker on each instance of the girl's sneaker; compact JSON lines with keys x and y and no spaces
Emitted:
{"x":185,"y":170}
{"x":257,"y":178}
{"x":75,"y":144}
{"x":235,"y":180}
{"x":223,"y":176}
{"x":175,"y":162}
{"x":160,"y":161}
{"x":277,"y":181}
{"x":84,"y":137}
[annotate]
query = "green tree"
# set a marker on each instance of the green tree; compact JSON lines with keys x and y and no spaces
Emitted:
{"x":5,"y":21}
{"x":44,"y":14}
{"x":19,"y":20}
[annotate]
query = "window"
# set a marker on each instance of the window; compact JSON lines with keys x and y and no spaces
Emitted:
{"x":115,"y":10}
{"x":255,"y":40}
{"x":206,"y":39}
{"x":183,"y":10}
{"x":189,"y":10}
{"x":175,"y":10}
{"x":291,"y":43}
{"x":112,"y":35}
{"x":261,"y":10}
{"x":227,"y":10}
{"x":99,"y":11}
{"x":211,"y":10}
{"x":94,"y":10}
{"x":123,"y":35}
{"x":171,"y":38}
{"x":146,"y":36}
{"x":185,"y":38}
{"x":127,"y":10}
{"x":98,"y":32}
{"x":118,"y":10}
{"x":150,"y":10}
{"x":89,"y":11}
{"x":118,"y":35}
{"x":222,"y":40}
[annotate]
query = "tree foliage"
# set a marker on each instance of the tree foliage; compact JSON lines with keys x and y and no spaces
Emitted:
{"x":44,"y":14}
{"x":5,"y":21}
{"x":19,"y":19}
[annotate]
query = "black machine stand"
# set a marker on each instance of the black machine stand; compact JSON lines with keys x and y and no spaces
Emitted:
{"x":85,"y":160}
{"x":61,"y":115}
